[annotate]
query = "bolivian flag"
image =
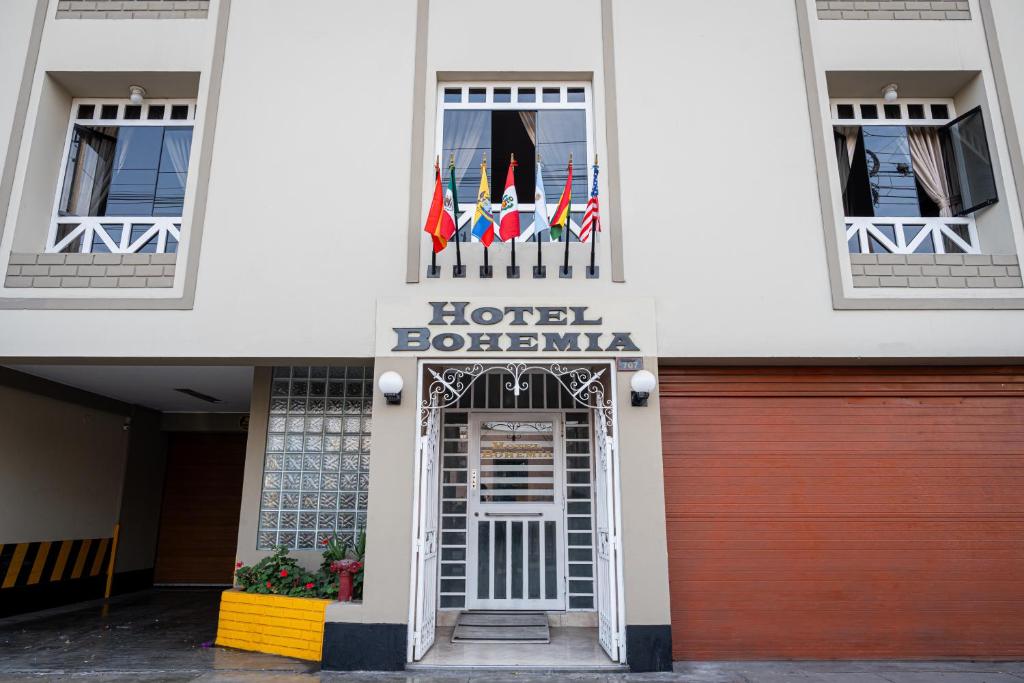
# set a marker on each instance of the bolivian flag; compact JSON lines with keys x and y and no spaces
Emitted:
{"x":560,"y":218}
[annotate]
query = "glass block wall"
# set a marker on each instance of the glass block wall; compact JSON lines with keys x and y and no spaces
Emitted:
{"x":317,"y":466}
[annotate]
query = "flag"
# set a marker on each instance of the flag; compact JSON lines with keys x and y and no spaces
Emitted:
{"x":509,"y":219}
{"x":483,"y":221}
{"x":560,"y":219}
{"x":433,"y":225}
{"x":449,"y":222}
{"x":592,"y":215}
{"x":540,"y":205}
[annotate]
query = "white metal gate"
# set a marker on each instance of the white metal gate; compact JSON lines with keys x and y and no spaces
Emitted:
{"x":425,"y":606}
{"x":608,"y":542}
{"x":516,"y":543}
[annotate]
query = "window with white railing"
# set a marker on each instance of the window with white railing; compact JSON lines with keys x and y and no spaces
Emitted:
{"x":532,"y":120}
{"x":912,"y":175}
{"x":125,"y":169}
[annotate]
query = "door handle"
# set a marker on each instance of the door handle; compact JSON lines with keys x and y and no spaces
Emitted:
{"x":472,"y":480}
{"x":513,"y":514}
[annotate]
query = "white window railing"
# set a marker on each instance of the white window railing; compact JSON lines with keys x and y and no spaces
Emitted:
{"x":121,"y":235}
{"x":912,"y":236}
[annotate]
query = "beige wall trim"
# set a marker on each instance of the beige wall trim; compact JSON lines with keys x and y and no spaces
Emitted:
{"x":419,"y":90}
{"x":840,"y":301}
{"x":62,"y":392}
{"x":1002,"y":87}
{"x":611,"y":131}
{"x":210,"y":106}
{"x":21,"y":112}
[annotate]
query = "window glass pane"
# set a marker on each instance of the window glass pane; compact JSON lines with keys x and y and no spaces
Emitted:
{"x":574,"y":94}
{"x":478,"y":94}
{"x":968,"y":164}
{"x":940,"y":111}
{"x":503,"y":95}
{"x":179,"y":112}
{"x":890,"y":171}
{"x":87,"y":175}
{"x":453,"y":94}
{"x":527,"y":95}
{"x":845,"y":111}
{"x":133,"y":111}
{"x":869,"y":111}
{"x":559,"y":133}
{"x":173,"y":172}
{"x":915,"y":111}
{"x":108,"y":111}
{"x":467,"y":135}
{"x":86,"y":111}
{"x":552,"y":95}
{"x":134,"y":176}
{"x":156,"y":112}
{"x":892,"y":111}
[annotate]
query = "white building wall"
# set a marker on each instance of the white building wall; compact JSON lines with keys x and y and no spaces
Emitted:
{"x":307,"y":218}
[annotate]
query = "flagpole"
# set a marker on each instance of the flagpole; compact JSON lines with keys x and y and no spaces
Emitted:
{"x":459,"y":272}
{"x":433,"y":254}
{"x":512,"y":162}
{"x":485,"y":270}
{"x":568,"y":226}
{"x":593,"y":231}
{"x":536,"y":230}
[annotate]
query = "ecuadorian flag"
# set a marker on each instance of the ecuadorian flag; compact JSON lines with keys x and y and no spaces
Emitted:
{"x":483,"y":221}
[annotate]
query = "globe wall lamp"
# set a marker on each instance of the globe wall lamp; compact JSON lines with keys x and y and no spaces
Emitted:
{"x":642,"y":384}
{"x":890,"y":93}
{"x":136,"y":94}
{"x":390,"y":384}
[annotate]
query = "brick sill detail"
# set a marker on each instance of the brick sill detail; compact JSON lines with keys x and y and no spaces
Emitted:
{"x":936,"y":271}
{"x":90,"y":271}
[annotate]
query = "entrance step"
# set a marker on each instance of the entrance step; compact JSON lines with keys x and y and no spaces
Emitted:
{"x":502,"y":627}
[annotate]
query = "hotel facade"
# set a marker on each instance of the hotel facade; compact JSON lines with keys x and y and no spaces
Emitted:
{"x":779,"y":415}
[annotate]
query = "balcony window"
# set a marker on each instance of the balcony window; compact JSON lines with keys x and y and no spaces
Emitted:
{"x":524,"y":119}
{"x":911,"y":177}
{"x":125,"y":172}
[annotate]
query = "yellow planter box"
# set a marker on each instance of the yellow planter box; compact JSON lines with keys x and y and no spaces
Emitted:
{"x":275,"y":624}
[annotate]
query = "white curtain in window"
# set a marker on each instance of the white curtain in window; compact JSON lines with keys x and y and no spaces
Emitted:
{"x":529,"y":119}
{"x":926,"y":155}
{"x":177,"y":148}
{"x":467,"y":135}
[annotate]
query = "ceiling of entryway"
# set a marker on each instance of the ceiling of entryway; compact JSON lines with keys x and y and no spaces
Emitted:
{"x":154,"y":386}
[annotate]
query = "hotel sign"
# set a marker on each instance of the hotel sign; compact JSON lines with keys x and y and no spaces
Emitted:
{"x":458,"y":326}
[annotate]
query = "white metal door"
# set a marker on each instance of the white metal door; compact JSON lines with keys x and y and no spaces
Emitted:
{"x":516,"y":548}
{"x":608,"y":546}
{"x":425,"y":613}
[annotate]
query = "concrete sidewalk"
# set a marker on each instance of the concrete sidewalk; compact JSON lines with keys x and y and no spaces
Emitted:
{"x":164,"y":636}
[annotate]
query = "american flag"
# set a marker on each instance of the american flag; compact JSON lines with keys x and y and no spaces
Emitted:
{"x":592,"y":216}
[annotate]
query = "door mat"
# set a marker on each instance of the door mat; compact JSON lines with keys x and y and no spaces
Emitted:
{"x":501,"y":627}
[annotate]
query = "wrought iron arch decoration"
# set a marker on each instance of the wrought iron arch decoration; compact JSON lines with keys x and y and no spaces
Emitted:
{"x":451,"y":383}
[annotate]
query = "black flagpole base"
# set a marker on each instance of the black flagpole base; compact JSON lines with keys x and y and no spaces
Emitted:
{"x":512,"y":272}
{"x":593,"y":272}
{"x":486,"y":271}
{"x":434,"y":271}
{"x":540,"y":272}
{"x":458,"y":271}
{"x":565,"y":272}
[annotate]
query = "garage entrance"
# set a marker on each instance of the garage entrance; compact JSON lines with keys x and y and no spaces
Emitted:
{"x":845,"y":513}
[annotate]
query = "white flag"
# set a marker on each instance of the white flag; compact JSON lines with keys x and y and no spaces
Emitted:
{"x":540,"y":204}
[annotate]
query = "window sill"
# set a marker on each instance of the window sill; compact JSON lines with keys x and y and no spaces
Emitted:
{"x":935,"y":271}
{"x":90,"y":271}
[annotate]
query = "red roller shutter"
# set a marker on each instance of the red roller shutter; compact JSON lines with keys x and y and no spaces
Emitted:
{"x":845,"y":513}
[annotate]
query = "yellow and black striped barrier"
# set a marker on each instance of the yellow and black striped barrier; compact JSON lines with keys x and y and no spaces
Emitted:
{"x":42,"y":574}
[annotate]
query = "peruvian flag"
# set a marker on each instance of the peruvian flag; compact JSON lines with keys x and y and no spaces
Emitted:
{"x":509,"y":221}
